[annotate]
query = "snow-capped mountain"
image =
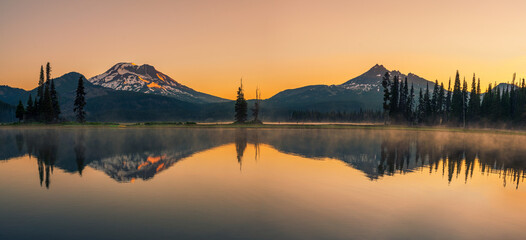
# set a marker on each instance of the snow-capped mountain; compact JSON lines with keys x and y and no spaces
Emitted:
{"x":146,"y":79}
{"x":372,"y":80}
{"x":362,"y":92}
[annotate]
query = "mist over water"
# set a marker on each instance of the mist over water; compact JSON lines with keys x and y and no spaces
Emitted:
{"x":260,"y":183}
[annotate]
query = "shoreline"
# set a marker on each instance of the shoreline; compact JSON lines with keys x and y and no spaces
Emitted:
{"x":366,"y":126}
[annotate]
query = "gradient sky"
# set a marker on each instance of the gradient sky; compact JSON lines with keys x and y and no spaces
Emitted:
{"x":276,"y":45}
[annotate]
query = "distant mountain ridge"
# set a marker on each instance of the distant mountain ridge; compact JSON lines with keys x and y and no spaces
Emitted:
{"x":362,"y":92}
{"x":372,"y":79}
{"x":131,"y":93}
{"x":146,"y":79}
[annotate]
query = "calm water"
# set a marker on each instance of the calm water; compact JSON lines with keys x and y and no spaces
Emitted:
{"x":260,"y":184}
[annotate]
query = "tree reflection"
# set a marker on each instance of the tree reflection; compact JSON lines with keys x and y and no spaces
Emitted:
{"x":80,"y":152}
{"x":43,"y":147}
{"x":142,"y":153}
{"x":241,"y":144}
{"x":457,"y":157}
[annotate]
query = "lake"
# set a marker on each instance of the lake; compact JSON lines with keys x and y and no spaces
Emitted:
{"x":199,"y":183}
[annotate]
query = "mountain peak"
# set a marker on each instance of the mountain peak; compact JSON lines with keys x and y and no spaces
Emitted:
{"x":127,"y":76}
{"x":377,"y":69}
{"x":372,"y":79}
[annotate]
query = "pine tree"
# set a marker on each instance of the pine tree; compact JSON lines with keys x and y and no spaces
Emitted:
{"x":80,"y":102}
{"x":474,"y":101}
{"x":20,"y":111}
{"x":456,"y":100}
{"x":434,"y":102}
{"x":464,"y":101}
{"x":241,"y":105}
{"x":47,"y":105}
{"x":427,"y":105}
{"x":440,"y":100}
{"x":393,"y":111}
{"x":255,"y":110}
{"x":404,"y":92}
{"x":486,"y":103}
{"x":505,"y":105}
{"x":54,"y":102}
{"x":48,"y":72}
{"x":30,"y":110}
{"x":410,"y":105}
{"x":40,"y":95}
{"x":421,"y":108}
{"x":386,"y":83}
{"x":447,"y":107}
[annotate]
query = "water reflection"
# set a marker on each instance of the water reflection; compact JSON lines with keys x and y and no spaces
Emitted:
{"x":129,"y":154}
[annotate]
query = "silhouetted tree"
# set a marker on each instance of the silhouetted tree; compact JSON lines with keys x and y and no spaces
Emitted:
{"x":440,"y":103}
{"x":255,"y":110}
{"x":241,"y":105}
{"x":395,"y":94}
{"x":428,"y":111}
{"x":54,"y":101}
{"x":474,"y":101}
{"x":410,"y":105}
{"x":456,"y":101}
{"x":386,"y":83}
{"x":465,"y":97}
{"x":47,"y":106}
{"x":30,"y":110}
{"x":20,"y":111}
{"x":420,"y":112}
{"x":80,"y":102}
{"x":404,"y":92}
{"x":447,"y":104}
{"x":40,"y":95}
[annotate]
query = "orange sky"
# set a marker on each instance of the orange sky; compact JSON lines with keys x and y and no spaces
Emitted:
{"x":209,"y":45}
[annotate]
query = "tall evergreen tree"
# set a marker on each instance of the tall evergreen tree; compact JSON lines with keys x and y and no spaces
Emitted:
{"x":80,"y":102}
{"x":434,"y":101}
{"x":447,"y":104}
{"x":241,"y":105}
{"x":505,"y":104}
{"x":48,"y":72}
{"x":456,"y":100}
{"x":395,"y":94}
{"x":30,"y":110}
{"x":255,"y":110}
{"x":54,"y":102}
{"x":40,"y":95}
{"x":20,"y":111}
{"x":440,"y":103}
{"x":465,"y":97}
{"x":420,"y":112}
{"x":386,"y":83}
{"x":404,"y":91}
{"x":427,"y":105}
{"x":474,"y":101}
{"x":410,"y":105}
{"x":47,"y":105}
{"x":485,"y":107}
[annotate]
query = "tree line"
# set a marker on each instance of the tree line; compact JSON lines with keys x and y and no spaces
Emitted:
{"x":459,"y":106}
{"x":45,"y":108}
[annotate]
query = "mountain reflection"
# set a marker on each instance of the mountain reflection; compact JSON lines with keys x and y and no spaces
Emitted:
{"x":129,"y":154}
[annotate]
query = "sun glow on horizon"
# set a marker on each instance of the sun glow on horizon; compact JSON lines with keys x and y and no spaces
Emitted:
{"x":276,"y":45}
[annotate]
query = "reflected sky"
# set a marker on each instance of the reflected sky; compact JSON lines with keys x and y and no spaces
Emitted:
{"x":260,"y":184}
